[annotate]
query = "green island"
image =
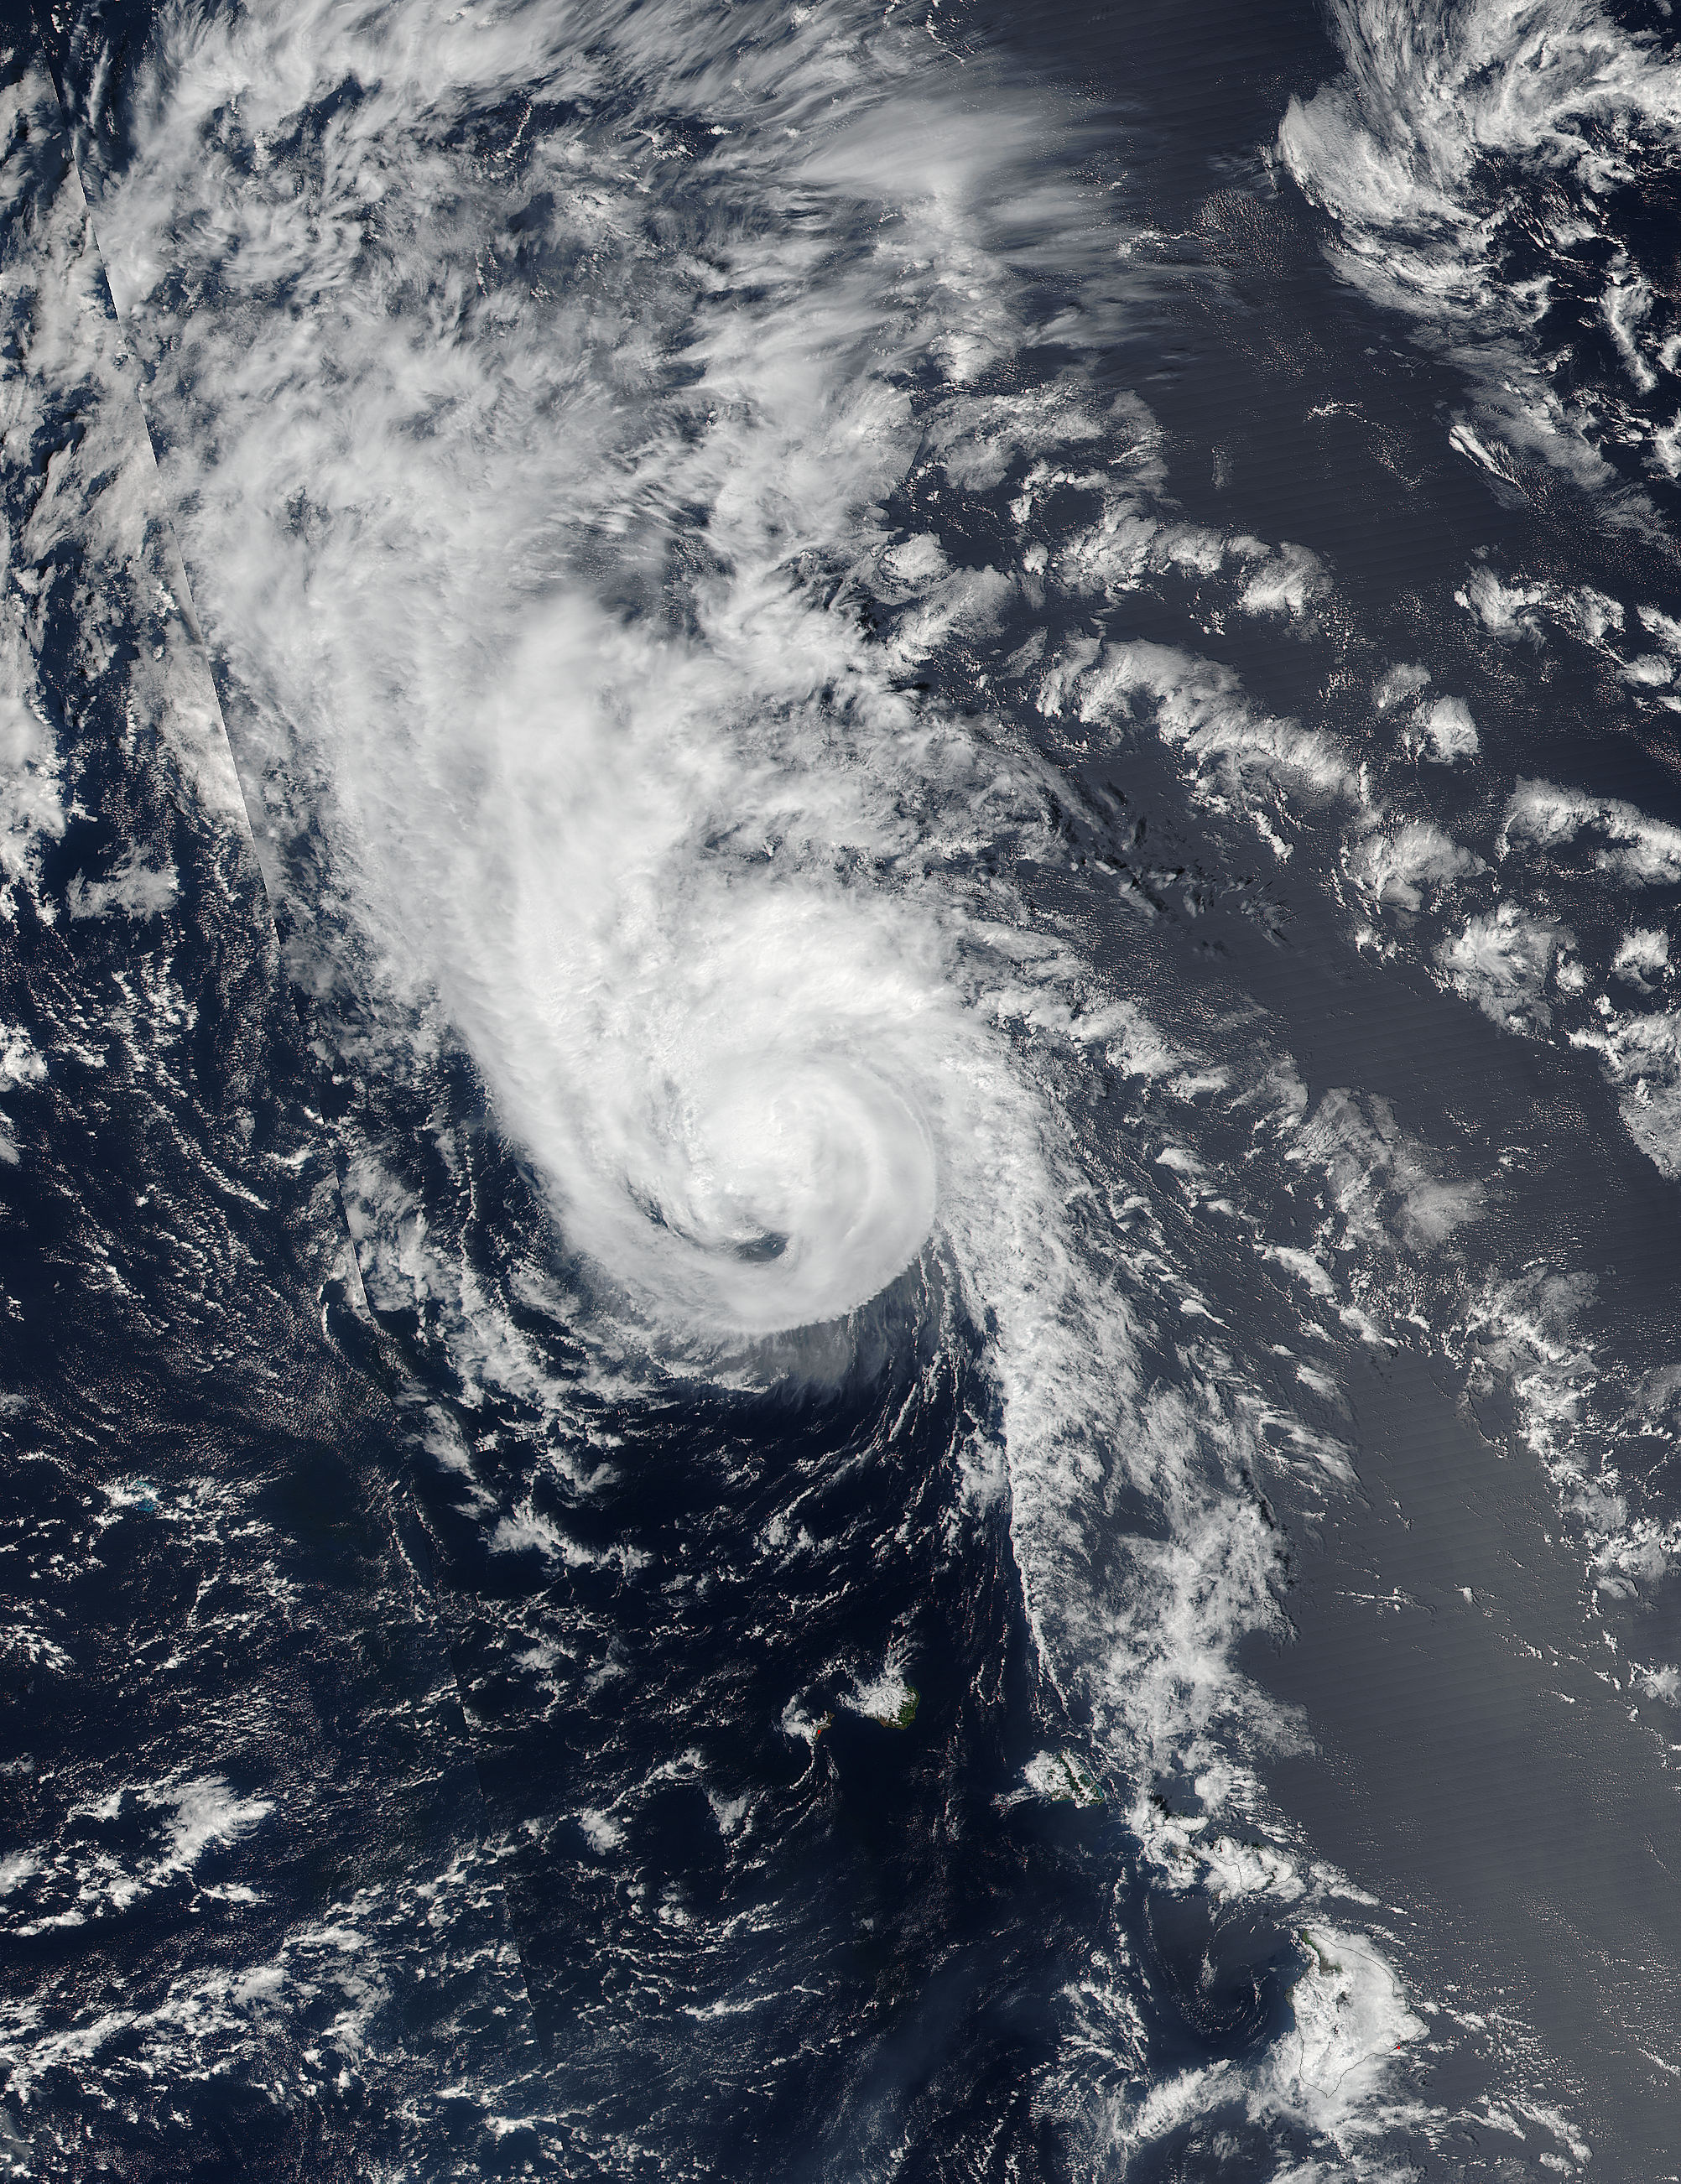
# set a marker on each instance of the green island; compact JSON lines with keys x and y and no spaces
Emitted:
{"x":1325,"y":1963}
{"x":907,"y":1714}
{"x":1083,"y":1787}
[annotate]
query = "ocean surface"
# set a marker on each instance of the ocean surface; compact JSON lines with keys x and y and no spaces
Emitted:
{"x":842,"y":1085}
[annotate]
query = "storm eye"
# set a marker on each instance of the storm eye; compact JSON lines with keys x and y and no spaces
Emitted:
{"x":778,"y":1183}
{"x":755,"y":1249}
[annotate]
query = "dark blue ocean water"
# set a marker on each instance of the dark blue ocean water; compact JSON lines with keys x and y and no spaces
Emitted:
{"x":999,"y":592}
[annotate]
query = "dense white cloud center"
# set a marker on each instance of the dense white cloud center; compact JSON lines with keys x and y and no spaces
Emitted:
{"x":533,"y":476}
{"x":729,"y":1067}
{"x":521,"y":586}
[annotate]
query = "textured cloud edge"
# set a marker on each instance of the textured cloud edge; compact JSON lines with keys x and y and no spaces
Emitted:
{"x":562,"y":512}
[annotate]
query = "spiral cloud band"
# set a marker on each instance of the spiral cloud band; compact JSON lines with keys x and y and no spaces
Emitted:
{"x":614,"y":521}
